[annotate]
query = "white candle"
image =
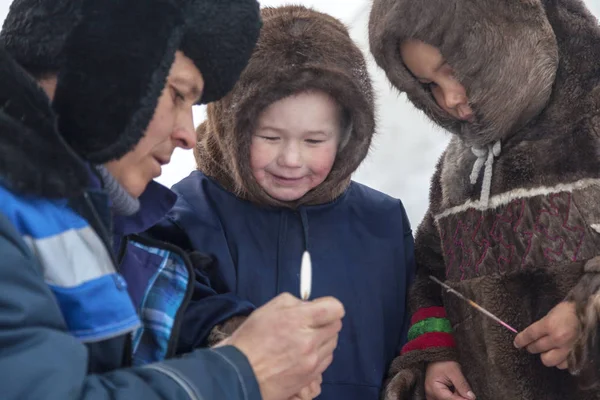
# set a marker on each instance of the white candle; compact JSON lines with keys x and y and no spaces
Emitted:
{"x":305,"y":276}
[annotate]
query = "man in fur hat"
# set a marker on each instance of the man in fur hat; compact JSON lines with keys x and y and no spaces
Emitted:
{"x":513,"y":221}
{"x":68,"y":326}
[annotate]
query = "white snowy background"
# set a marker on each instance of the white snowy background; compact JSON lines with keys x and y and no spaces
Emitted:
{"x":407,"y":145}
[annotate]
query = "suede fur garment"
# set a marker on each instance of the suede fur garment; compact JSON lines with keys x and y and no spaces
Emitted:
{"x":513,"y":215}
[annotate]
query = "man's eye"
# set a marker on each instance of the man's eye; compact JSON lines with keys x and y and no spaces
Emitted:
{"x":177,"y":95}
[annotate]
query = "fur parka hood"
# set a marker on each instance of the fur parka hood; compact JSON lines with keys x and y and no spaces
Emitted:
{"x":511,"y":56}
{"x":299,"y":49}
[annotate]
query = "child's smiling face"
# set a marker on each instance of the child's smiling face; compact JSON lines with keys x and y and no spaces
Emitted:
{"x":428,"y":66}
{"x":295,"y":144}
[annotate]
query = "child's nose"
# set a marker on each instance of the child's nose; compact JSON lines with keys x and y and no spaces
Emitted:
{"x":453,"y":99}
{"x":290,"y":157}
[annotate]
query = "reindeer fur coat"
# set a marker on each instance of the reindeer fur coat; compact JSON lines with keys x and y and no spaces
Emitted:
{"x":514,"y":215}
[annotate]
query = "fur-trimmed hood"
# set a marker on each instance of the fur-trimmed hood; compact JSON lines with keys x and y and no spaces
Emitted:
{"x":505,"y":53}
{"x":34,"y":159}
{"x":298,"y":49}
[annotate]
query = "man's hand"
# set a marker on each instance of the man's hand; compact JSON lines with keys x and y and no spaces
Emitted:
{"x":289,"y":344}
{"x":444,"y":381}
{"x":552,"y":336}
{"x":311,"y":391}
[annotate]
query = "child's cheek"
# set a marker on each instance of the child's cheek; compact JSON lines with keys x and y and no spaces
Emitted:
{"x":322,"y":161}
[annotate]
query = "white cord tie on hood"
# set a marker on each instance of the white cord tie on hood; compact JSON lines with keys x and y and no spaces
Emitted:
{"x":485,"y":156}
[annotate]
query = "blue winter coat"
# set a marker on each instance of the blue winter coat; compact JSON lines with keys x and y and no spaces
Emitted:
{"x":65,"y":315}
{"x":65,"y":318}
{"x":362,"y":252}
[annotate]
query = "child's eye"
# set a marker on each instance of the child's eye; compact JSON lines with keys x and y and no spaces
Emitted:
{"x":314,"y":141}
{"x":270,"y":138}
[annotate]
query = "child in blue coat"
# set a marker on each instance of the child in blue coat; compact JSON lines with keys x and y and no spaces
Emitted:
{"x":275,"y":159}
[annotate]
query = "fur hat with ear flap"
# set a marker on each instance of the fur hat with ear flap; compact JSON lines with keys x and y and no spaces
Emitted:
{"x":299,"y":50}
{"x":117,"y":59}
{"x":34,"y":32}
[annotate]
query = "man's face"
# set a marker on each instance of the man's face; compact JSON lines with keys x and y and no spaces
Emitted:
{"x":171,"y":127}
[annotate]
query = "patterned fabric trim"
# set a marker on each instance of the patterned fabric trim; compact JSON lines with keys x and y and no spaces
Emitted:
{"x":429,"y":328}
{"x":163,"y":298}
{"x":429,"y":325}
{"x":429,"y":312}
{"x":429,"y":340}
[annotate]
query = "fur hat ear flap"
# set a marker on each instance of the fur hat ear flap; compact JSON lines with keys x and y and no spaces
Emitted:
{"x":116,"y":64}
{"x":584,"y":359}
{"x":34,"y":32}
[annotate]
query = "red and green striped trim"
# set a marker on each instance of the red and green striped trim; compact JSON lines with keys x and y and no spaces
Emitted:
{"x":429,"y":325}
{"x":429,"y":340}
{"x":429,"y":312}
{"x":429,"y":328}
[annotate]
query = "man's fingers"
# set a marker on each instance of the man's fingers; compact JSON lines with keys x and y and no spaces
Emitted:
{"x":542,"y":345}
{"x":323,"y":312}
{"x":315,"y":387}
{"x":328,"y":334}
{"x":326,"y":350}
{"x":324,"y":364}
{"x":309,"y":392}
{"x":305,"y":394}
{"x":285,"y":300}
{"x":531,"y":334}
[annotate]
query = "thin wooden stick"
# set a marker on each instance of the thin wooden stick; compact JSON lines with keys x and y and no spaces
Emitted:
{"x":473,"y":304}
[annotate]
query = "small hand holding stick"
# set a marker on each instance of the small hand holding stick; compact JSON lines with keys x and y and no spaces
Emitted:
{"x":305,"y":276}
{"x":473,"y":304}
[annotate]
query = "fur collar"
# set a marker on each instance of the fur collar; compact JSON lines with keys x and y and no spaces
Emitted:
{"x":34,"y":159}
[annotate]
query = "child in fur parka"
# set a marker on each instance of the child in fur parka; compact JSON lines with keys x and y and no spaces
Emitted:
{"x":274,"y":164}
{"x":513,"y":221}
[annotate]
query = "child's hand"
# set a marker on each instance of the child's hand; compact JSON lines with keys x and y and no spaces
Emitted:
{"x":553,"y":336}
{"x":445,"y":381}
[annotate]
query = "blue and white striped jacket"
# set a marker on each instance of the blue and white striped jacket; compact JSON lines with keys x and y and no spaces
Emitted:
{"x":77,"y":266}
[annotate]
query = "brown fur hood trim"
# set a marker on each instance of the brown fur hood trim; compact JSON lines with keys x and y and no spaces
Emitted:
{"x":504,"y":52}
{"x":299,"y":49}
